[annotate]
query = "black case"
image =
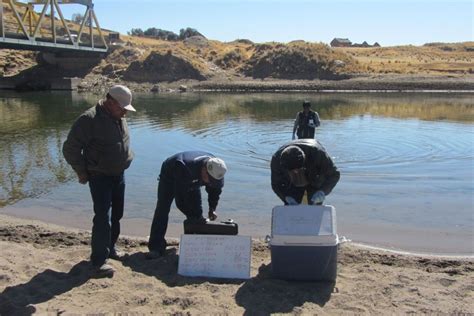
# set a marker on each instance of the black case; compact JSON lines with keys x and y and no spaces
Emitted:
{"x":228,"y":227}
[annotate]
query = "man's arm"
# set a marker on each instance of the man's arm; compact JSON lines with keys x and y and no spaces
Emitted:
{"x":330,"y":172}
{"x":278,"y":179}
{"x":317,"y":121}
{"x":213,"y":195}
{"x":187,"y":198}
{"x":76,"y":142}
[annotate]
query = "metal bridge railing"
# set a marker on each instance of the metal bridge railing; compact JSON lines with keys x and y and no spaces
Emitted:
{"x":22,"y":27}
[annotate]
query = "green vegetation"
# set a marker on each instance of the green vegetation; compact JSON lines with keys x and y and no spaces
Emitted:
{"x":165,"y":35}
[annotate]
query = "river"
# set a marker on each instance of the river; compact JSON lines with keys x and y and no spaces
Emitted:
{"x":406,"y":160}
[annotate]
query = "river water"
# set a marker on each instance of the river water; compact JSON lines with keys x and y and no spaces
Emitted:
{"x":406,"y":160}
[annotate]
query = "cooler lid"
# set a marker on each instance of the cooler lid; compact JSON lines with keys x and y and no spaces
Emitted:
{"x":323,"y":240}
{"x":304,"y":220}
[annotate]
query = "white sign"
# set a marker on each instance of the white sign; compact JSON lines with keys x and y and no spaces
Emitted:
{"x":215,"y":256}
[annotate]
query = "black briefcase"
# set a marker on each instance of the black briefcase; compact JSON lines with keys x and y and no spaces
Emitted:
{"x":228,"y":227}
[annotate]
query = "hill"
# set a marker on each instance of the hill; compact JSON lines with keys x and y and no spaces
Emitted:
{"x":148,"y":63}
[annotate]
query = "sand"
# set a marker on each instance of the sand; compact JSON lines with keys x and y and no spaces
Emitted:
{"x":44,"y":269}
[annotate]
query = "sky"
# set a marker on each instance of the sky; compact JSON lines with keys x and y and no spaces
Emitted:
{"x":388,"y":22}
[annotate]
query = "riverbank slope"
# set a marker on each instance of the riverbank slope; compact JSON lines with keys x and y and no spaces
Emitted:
{"x":200,"y":64}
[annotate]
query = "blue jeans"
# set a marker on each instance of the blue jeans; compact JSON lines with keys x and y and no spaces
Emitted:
{"x":107,"y":192}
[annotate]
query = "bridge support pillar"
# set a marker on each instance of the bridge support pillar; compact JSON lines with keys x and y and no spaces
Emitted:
{"x":70,"y":61}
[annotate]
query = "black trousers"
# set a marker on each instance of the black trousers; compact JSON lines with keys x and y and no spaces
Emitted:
{"x":108,"y":196}
{"x":166,"y":195}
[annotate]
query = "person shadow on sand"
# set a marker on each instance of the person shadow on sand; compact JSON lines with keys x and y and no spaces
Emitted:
{"x":165,"y":269}
{"x":260,"y":295}
{"x":18,"y":299}
{"x":264,"y":295}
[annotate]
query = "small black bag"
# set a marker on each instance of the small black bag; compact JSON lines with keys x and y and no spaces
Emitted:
{"x":207,"y":227}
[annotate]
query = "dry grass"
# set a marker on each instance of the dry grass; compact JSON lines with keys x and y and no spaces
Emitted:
{"x":213,"y":57}
{"x":436,"y":59}
{"x":428,"y":59}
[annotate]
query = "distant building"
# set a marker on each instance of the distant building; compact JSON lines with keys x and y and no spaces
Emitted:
{"x":344,"y":42}
{"x":114,"y":37}
{"x":341,"y":42}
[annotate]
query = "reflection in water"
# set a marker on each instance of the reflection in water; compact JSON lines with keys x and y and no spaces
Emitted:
{"x":31,"y":137}
{"x":195,"y":110}
{"x":405,"y":158}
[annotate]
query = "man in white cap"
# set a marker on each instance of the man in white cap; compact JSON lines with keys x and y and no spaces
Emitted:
{"x":98,"y":149}
{"x":181,"y":178}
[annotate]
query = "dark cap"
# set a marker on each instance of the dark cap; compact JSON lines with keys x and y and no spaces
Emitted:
{"x":292,"y":157}
{"x":306,"y":104}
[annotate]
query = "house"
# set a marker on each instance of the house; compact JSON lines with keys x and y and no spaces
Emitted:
{"x":341,"y":42}
{"x":114,"y":37}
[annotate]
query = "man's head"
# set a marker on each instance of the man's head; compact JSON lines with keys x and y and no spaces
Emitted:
{"x":215,"y":170}
{"x":292,"y":159}
{"x":306,"y":106}
{"x":118,"y":101}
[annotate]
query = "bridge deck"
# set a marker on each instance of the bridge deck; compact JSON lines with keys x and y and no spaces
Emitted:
{"x":42,"y":45}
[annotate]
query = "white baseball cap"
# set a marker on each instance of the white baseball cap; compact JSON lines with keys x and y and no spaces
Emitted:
{"x":216,"y":168}
{"x":123,"y":96}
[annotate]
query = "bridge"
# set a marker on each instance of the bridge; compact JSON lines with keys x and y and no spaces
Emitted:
{"x":22,"y":27}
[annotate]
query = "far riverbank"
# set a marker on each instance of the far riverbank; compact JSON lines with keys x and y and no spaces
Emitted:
{"x":42,"y":79}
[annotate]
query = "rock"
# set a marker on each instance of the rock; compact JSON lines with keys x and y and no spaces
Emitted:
{"x":108,"y":69}
{"x":339,"y":63}
{"x":197,"y":40}
{"x":155,"y":88}
{"x":296,"y":61}
{"x":158,"y":68}
{"x":183,"y":88}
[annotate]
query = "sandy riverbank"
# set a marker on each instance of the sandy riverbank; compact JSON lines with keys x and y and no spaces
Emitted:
{"x":44,"y":269}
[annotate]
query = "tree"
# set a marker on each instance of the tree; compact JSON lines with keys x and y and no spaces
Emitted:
{"x":188,"y":32}
{"x":77,"y":18}
{"x":136,"y":32}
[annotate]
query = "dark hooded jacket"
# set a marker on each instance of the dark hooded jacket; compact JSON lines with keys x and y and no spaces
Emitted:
{"x":321,"y":172}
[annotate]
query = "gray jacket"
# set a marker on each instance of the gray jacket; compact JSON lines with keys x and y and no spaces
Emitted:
{"x":98,"y":143}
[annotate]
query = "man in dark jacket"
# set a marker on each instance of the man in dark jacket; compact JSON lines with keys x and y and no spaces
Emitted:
{"x":306,"y":122}
{"x":98,"y":149}
{"x":181,"y":178}
{"x":303,"y":165}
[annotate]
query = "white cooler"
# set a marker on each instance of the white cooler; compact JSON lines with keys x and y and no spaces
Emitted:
{"x":304,"y":242}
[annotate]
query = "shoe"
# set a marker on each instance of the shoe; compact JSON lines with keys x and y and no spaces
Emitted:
{"x":153,"y":254}
{"x":103,"y":271}
{"x":116,"y":254}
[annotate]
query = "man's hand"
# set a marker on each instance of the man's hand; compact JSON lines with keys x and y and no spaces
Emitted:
{"x":318,"y":198}
{"x":83,"y":178}
{"x":212,"y":215}
{"x":290,"y":200}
